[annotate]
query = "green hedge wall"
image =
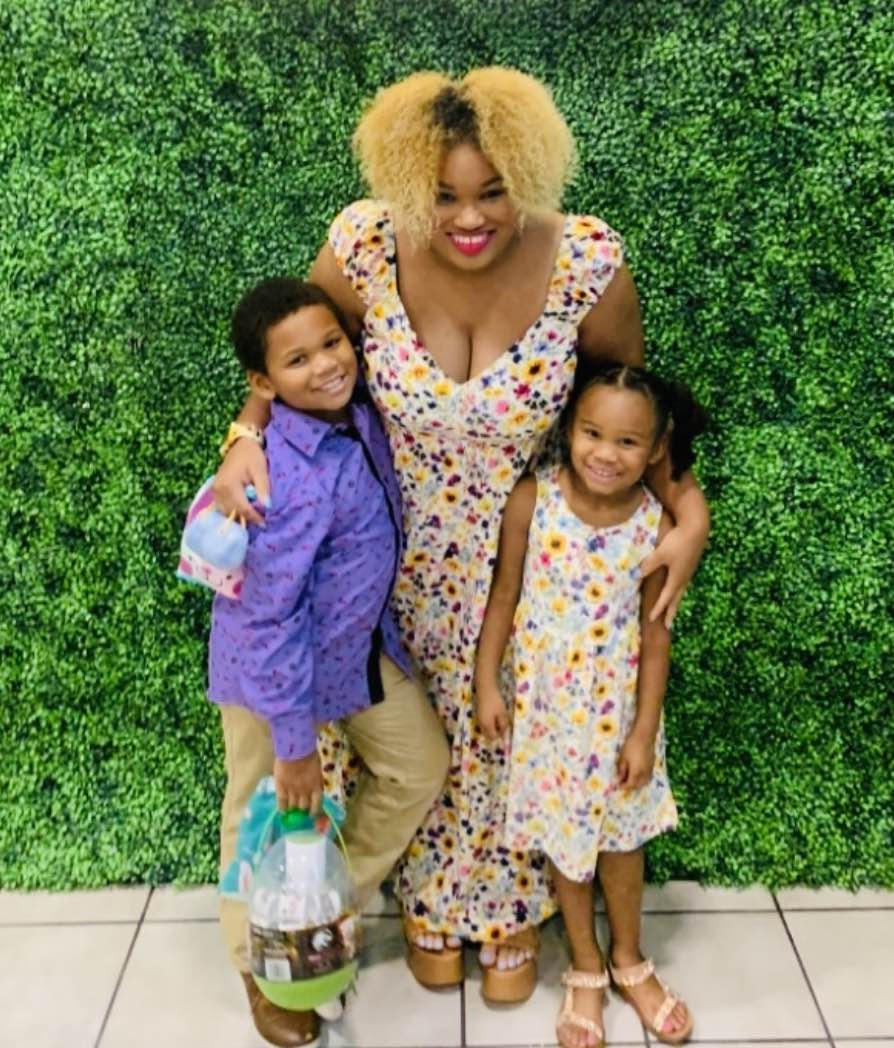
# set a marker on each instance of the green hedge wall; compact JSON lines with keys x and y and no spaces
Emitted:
{"x":158,"y":156}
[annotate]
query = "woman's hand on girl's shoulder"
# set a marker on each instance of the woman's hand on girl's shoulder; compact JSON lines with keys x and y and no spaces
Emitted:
{"x":244,"y":464}
{"x":679,"y":551}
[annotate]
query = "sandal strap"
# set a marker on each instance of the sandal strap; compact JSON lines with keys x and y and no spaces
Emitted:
{"x":667,"y":1006}
{"x":570,"y":1018}
{"x":634,"y":974}
{"x":526,"y":939}
{"x":577,"y":980}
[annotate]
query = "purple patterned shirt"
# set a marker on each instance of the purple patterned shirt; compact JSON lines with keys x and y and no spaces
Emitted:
{"x":302,"y":644}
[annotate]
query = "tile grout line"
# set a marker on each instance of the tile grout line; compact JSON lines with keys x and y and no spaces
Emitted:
{"x":119,"y":980}
{"x":803,"y":968}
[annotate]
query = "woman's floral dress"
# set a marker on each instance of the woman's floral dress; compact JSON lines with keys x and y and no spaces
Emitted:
{"x":458,"y":450}
{"x":575,"y":650}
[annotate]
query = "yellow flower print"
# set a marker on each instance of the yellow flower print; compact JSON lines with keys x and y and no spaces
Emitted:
{"x":556,"y":543}
{"x":418,"y":556}
{"x":595,"y":591}
{"x":418,"y":372}
{"x":520,"y":418}
{"x":553,"y":803}
{"x":575,"y":659}
{"x":606,"y":727}
{"x":579,"y":718}
{"x":601,"y":690}
{"x":450,"y":496}
{"x":534,"y":369}
{"x":597,"y":809}
{"x":541,"y":582}
{"x":524,"y":883}
{"x":392,"y":401}
{"x":492,"y":932}
{"x":583,"y":227}
{"x":521,"y":705}
{"x":542,"y":424}
{"x":503,"y":475}
{"x":559,"y":605}
{"x":598,"y":631}
{"x":443,"y":387}
{"x":378,"y":311}
{"x":623,"y":563}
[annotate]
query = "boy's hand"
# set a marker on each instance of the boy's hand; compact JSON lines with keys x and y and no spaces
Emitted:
{"x":493,"y":719}
{"x":299,"y":783}
{"x":636,"y":761}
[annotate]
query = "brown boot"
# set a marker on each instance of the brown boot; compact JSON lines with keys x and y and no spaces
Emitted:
{"x":278,"y":1025}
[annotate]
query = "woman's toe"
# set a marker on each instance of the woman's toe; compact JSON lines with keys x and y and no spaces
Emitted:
{"x":486,"y":957}
{"x":454,"y":942}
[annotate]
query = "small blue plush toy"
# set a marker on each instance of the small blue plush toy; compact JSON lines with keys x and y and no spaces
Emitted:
{"x":213,"y":547}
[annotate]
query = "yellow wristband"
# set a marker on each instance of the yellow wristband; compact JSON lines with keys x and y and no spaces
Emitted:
{"x":237,"y":431}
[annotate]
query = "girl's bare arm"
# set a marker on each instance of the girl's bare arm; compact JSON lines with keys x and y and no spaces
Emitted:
{"x":501,"y":605}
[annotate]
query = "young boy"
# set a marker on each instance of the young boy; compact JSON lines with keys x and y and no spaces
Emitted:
{"x":311,"y":638}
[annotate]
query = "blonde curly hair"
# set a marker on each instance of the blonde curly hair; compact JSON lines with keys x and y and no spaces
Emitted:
{"x":402,"y":137}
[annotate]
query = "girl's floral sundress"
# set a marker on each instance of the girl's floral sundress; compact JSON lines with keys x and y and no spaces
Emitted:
{"x":575,"y":650}
{"x":458,"y":450}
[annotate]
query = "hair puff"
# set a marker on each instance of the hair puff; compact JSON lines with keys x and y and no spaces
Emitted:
{"x":518,"y":127}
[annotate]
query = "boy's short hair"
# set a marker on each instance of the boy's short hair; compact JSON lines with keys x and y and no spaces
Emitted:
{"x":267,"y":304}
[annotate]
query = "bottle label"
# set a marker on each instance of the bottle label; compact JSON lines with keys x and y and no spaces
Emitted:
{"x":302,"y":953}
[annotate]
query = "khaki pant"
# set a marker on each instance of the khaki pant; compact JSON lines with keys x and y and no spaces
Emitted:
{"x":402,"y":744}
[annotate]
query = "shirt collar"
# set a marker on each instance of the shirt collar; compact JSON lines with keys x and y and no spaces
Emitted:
{"x":305,"y":432}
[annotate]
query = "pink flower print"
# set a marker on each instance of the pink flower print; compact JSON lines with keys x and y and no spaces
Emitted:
{"x":501,"y":407}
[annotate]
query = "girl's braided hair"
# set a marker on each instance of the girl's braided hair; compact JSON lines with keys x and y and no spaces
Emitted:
{"x":677,"y":412}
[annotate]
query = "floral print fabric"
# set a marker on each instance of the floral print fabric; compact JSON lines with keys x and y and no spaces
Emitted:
{"x":458,"y":450}
{"x":575,"y":651}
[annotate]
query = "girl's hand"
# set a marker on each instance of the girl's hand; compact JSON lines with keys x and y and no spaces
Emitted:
{"x":493,"y":719}
{"x":299,"y":783}
{"x":636,"y":761}
{"x":245,"y":464}
{"x":679,"y":552}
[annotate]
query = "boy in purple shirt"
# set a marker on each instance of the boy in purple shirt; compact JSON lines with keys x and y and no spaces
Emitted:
{"x":312,"y":638}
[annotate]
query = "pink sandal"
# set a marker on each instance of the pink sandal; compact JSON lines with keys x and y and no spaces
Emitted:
{"x":573,"y":980}
{"x":636,"y":975}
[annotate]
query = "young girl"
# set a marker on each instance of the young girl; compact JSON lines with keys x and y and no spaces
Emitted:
{"x":588,"y":784}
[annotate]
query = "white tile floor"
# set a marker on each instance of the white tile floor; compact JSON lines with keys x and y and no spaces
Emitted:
{"x":129,"y":968}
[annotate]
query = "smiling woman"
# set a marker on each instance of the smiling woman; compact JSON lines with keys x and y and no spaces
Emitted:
{"x":473,"y":296}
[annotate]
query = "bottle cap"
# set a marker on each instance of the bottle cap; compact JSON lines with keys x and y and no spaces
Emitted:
{"x":296,"y":819}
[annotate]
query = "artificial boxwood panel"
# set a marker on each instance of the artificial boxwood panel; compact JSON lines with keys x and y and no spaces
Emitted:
{"x":159,"y":156}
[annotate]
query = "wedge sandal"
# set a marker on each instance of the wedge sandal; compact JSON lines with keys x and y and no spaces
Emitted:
{"x":433,"y":969}
{"x":513,"y":985}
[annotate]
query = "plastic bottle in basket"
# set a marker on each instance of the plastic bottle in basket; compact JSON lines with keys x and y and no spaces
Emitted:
{"x":303,"y":923}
